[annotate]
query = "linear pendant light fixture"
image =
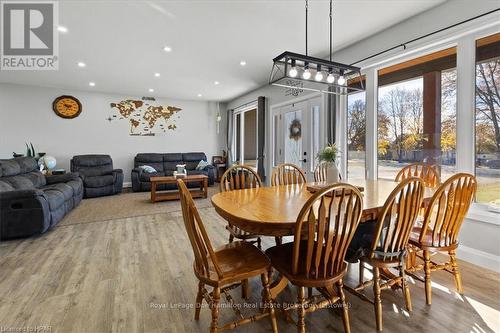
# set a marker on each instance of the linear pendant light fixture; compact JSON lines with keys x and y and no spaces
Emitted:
{"x":302,"y":72}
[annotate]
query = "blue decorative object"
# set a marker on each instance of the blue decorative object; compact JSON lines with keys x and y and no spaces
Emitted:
{"x":48,"y":162}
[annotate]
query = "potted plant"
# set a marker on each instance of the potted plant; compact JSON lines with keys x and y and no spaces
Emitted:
{"x":328,"y":155}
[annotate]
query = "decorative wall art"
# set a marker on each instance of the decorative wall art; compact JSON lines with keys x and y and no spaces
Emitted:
{"x":145,"y":119}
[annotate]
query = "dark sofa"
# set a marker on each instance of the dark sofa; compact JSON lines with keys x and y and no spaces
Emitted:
{"x":98,"y":176}
{"x":165,"y":165}
{"x":31,"y":203}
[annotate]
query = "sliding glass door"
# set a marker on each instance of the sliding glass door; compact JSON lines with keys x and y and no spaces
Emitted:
{"x":245,"y":137}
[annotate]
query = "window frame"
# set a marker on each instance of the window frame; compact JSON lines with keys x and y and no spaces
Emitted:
{"x":464,"y":39}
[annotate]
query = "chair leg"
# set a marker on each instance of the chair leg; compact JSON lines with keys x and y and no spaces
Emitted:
{"x":427,"y":272}
{"x":278,"y":240}
{"x":345,"y":309}
{"x":199,"y":299}
{"x":244,"y":289}
{"x":268,"y":301}
{"x":456,"y":271}
{"x":301,"y":311}
{"x":412,"y":258}
{"x":215,"y":310}
{"x":259,"y":241}
{"x":309,"y":292}
{"x":377,"y":301}
{"x":361,"y":272}
{"x":406,"y":289}
{"x":231,"y":238}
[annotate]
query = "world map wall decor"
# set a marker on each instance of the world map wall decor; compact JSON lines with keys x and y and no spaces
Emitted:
{"x":145,"y":119}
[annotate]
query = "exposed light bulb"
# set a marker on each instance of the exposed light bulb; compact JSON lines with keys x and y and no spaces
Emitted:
{"x":318,"y":76}
{"x":341,"y":80}
{"x":330,"y":78}
{"x":293,"y":72}
{"x":307,"y":74}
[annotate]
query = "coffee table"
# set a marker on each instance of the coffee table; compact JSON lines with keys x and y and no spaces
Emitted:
{"x":156,"y":195}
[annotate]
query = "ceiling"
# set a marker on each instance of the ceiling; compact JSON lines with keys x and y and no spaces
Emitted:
{"x":121,"y":42}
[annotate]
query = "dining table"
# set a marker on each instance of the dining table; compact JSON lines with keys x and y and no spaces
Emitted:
{"x":272,"y":211}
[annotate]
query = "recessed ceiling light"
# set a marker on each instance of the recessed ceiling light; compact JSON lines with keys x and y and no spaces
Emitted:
{"x":81,"y":64}
{"x":199,"y":95}
{"x":243,"y":63}
{"x":167,"y":49}
{"x":151,"y":90}
{"x":157,"y":74}
{"x":61,"y":28}
{"x":216,"y":82}
{"x":92,"y":84}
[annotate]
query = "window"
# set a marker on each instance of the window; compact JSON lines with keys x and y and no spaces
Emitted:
{"x":356,"y":135}
{"x":487,"y":116}
{"x":417,"y":114}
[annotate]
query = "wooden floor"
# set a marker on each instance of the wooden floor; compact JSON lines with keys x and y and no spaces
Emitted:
{"x":135,"y":275}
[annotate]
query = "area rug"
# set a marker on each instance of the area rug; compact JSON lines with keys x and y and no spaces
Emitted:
{"x":127,"y":205}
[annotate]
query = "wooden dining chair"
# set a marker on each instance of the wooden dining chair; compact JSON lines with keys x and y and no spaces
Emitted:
{"x":240,"y":177}
{"x":389,"y":246}
{"x":315,"y":259}
{"x":287,"y":174}
{"x":321,"y":172}
{"x":439,"y":231}
{"x":223,"y":269}
{"x":423,"y":170}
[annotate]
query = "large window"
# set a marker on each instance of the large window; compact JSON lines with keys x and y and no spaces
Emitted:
{"x":487,"y":116}
{"x":356,"y":135}
{"x":417,"y":114}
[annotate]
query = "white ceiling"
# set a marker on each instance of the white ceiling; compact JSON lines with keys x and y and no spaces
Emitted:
{"x":122,"y":42}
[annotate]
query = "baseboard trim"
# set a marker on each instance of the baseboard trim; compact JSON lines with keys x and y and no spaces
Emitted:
{"x":478,"y":257}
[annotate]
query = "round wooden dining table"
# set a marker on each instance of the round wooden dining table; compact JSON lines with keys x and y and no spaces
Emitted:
{"x":273,"y":211}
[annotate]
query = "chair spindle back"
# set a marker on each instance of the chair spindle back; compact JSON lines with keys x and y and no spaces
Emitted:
{"x":239,"y":177}
{"x":326,"y":225}
{"x":287,"y":174}
{"x":422,"y":170}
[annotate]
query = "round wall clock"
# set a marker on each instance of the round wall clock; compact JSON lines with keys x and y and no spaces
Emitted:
{"x":67,"y":107}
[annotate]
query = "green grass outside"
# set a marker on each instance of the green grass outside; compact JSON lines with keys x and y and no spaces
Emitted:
{"x":488,"y":192}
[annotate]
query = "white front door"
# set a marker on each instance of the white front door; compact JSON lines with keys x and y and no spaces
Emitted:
{"x":297,"y":134}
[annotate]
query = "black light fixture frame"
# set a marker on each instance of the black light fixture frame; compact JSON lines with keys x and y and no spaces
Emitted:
{"x":282,"y":64}
{"x":280,"y":72}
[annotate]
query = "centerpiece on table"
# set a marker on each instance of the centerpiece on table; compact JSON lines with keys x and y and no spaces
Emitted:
{"x":328,"y":155}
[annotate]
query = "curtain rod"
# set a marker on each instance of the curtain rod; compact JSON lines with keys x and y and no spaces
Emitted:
{"x":403,"y":45}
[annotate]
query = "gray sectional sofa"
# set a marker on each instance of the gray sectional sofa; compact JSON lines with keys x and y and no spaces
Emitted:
{"x":165,"y":165}
{"x":30,"y":202}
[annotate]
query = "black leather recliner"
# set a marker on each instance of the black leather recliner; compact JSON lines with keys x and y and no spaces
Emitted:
{"x":98,"y":176}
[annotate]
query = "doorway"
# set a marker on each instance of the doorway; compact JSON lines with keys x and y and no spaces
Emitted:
{"x":297,"y":134}
{"x":246,"y":137}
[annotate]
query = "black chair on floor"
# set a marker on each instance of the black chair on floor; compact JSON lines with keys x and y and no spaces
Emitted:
{"x":98,"y":176}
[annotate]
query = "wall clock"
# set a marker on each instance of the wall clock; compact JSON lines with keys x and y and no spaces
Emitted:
{"x":67,"y":107}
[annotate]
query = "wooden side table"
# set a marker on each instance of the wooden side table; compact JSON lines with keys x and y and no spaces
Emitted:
{"x":220,"y":168}
{"x":156,"y":195}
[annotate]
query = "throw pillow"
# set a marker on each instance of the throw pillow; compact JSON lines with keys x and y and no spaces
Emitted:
{"x":202,"y":165}
{"x":147,"y":169}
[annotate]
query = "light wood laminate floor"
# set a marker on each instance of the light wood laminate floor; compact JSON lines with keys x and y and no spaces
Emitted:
{"x":135,"y":275}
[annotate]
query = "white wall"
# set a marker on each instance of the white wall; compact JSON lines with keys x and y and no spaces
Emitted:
{"x":26,"y":116}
